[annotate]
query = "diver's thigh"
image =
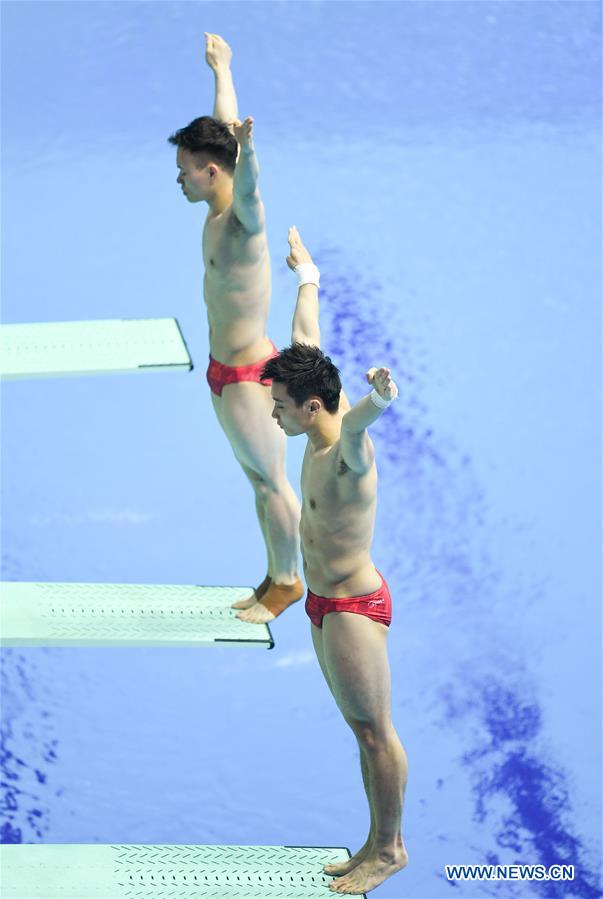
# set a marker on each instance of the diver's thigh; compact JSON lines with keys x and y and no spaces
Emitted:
{"x":320,"y":655}
{"x":355,"y":654}
{"x":246,"y":417}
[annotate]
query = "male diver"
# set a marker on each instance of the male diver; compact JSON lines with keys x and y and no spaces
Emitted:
{"x":348,"y":601}
{"x":237,"y":288}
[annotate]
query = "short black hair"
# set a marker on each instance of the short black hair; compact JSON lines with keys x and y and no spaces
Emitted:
{"x":208,"y":135}
{"x":305,"y":371}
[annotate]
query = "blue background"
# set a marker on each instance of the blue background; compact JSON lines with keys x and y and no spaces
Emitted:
{"x":441,"y":160}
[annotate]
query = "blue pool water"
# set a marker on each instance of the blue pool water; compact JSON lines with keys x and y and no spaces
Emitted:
{"x":442,"y":162}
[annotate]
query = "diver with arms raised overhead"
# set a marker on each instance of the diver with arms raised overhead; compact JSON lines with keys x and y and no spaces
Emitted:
{"x":348,"y":601}
{"x":217,"y":165}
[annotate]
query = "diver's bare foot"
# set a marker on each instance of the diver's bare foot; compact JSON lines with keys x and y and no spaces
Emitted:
{"x":276,"y":599}
{"x":255,"y":596}
{"x":339,"y":868}
{"x":375,"y":868}
{"x":256,"y":614}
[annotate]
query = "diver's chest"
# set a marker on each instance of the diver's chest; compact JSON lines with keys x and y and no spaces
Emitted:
{"x":323,"y":481}
{"x":224,"y":244}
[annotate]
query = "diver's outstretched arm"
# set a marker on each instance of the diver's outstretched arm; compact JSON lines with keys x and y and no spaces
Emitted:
{"x":218,"y":55}
{"x":356,"y":447}
{"x":246,"y":202}
{"x":306,"y":328}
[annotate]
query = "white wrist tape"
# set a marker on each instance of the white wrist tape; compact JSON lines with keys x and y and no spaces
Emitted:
{"x":307,"y":273}
{"x":379,"y":401}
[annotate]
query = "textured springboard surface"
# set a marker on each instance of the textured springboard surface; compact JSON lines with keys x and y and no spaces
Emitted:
{"x":166,"y":872}
{"x":73,"y":614}
{"x":111,"y":346}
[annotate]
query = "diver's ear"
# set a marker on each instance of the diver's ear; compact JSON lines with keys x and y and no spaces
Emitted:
{"x":314,"y":406}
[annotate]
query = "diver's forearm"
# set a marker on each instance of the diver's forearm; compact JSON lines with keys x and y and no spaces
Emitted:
{"x":246,"y":172}
{"x":306,"y":326}
{"x":225,"y":99}
{"x":361,"y":415}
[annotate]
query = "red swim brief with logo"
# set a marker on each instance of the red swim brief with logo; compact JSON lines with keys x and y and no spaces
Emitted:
{"x":219,"y":375}
{"x":377,"y":605}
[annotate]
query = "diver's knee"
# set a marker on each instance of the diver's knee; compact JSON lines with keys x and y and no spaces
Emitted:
{"x":371,"y":733}
{"x":263,"y":484}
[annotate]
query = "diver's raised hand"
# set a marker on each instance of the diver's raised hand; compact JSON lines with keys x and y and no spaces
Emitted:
{"x":381,"y":381}
{"x":243,"y":131}
{"x":217,"y":52}
{"x":297,"y":251}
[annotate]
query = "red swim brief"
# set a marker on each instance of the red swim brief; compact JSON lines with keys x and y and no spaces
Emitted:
{"x":377,"y":605}
{"x":218,"y":374}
